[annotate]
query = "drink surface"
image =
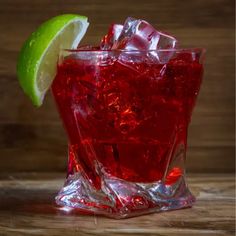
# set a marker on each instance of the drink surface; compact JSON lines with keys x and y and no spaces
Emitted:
{"x":126,"y":117}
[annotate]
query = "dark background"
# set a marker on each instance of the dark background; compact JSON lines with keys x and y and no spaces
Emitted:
{"x":33,"y":139}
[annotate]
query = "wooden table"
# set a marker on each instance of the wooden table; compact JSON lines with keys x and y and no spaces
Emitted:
{"x":27,"y":208}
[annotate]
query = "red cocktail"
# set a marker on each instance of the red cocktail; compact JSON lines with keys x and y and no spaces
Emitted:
{"x":126,"y":114}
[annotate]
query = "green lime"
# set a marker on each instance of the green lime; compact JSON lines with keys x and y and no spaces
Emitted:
{"x":37,"y":62}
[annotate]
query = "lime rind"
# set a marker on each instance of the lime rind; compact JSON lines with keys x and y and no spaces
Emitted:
{"x":48,"y":39}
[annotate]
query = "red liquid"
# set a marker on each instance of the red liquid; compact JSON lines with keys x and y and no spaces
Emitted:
{"x":126,"y":117}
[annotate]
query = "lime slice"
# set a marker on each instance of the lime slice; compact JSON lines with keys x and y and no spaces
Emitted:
{"x":37,"y":62}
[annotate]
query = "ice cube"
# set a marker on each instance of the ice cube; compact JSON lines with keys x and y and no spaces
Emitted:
{"x":111,"y":37}
{"x":140,"y":35}
{"x":166,"y":41}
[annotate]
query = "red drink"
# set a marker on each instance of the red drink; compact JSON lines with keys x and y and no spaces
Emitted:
{"x":128,"y":119}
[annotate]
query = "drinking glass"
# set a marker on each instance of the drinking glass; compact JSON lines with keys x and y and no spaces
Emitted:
{"x":126,"y":114}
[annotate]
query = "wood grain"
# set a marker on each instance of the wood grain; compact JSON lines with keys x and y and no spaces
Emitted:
{"x":33,"y":139}
{"x":27,"y":208}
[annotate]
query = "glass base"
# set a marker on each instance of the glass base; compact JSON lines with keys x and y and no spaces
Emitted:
{"x":121,"y":199}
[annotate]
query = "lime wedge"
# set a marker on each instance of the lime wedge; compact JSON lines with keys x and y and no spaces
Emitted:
{"x":37,"y":62}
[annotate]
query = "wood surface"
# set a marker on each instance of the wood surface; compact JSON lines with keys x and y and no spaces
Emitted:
{"x":33,"y":139}
{"x":27,"y":208}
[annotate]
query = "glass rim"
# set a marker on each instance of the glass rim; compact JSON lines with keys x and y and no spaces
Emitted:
{"x":186,"y":50}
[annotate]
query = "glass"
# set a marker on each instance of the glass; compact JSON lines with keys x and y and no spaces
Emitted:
{"x":126,"y":114}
